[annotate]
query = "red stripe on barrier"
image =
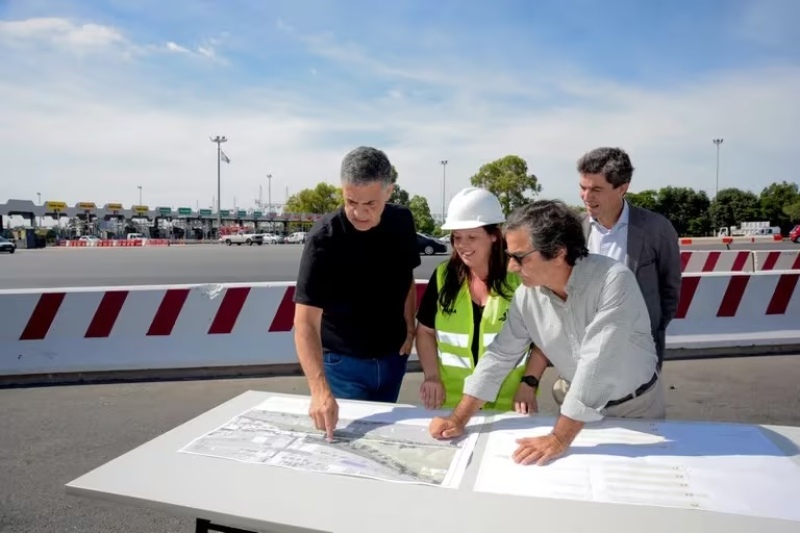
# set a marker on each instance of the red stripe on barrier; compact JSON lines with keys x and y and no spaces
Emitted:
{"x":783,"y":294}
{"x":688,"y":288}
{"x":711,"y":261}
{"x":685,"y":257}
{"x":106,"y":314}
{"x":229,"y":310}
{"x":284,"y":316}
{"x":739,"y":262}
{"x":420,"y":292}
{"x":771,"y":260}
{"x":733,"y":296}
{"x":796,"y":264}
{"x":168,"y":312}
{"x":42,"y":316}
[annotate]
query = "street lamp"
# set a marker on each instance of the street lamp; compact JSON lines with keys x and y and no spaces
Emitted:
{"x":444,"y":194}
{"x":269,"y":193}
{"x":140,"y":194}
{"x":717,"y":142}
{"x":219,"y":139}
{"x":40,"y":197}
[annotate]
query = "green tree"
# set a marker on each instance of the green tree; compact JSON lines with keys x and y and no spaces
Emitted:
{"x":422,"y":215}
{"x":774,"y":199}
{"x":793,"y":212}
{"x":399,"y":196}
{"x":646,"y":199}
{"x":508,"y":179}
{"x":686,"y":208}
{"x":733,"y":206}
{"x":323,"y":198}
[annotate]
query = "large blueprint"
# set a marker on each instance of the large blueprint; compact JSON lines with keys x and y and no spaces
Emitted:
{"x":732,"y":468}
{"x":386,"y":441}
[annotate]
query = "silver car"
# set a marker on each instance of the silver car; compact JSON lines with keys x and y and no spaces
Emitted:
{"x":7,"y":246}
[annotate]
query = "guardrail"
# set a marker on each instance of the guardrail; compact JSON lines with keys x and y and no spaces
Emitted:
{"x":49,"y":332}
{"x":114,"y":243}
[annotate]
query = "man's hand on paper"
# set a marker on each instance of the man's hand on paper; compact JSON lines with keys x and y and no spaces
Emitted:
{"x":431,"y":393}
{"x":539,"y":450}
{"x":525,"y":400}
{"x":445,"y":428}
{"x":324,"y":411}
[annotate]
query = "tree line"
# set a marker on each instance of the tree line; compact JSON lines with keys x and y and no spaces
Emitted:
{"x":691,"y":212}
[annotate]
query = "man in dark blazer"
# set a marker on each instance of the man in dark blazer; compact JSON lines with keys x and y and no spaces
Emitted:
{"x":644,"y":240}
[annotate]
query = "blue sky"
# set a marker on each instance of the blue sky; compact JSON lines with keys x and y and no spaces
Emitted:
{"x":99,"y":97}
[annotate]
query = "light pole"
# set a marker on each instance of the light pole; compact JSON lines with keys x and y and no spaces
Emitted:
{"x":40,"y":197}
{"x":444,"y":194}
{"x":140,"y":194}
{"x":269,"y":193}
{"x":219,"y":139}
{"x":717,"y":142}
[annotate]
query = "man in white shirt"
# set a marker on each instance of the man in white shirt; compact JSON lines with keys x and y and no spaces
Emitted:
{"x":587,"y":314}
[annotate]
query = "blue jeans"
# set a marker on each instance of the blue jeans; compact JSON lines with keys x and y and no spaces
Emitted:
{"x":375,"y":380}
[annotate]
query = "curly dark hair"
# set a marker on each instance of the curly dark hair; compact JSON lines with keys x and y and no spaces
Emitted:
{"x":613,"y":163}
{"x":551,"y":226}
{"x":457,"y":272}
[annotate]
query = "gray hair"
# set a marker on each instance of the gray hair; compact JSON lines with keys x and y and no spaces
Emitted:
{"x":613,"y":163}
{"x":552,"y":226}
{"x":366,"y":165}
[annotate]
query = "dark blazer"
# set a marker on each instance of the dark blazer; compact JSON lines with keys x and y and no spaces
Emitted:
{"x":654,"y":257}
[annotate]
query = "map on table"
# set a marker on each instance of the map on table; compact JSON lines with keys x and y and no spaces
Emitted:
{"x":381,"y":441}
{"x":732,"y":468}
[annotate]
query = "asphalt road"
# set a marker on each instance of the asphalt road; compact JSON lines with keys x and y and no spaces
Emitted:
{"x":87,"y":267}
{"x":52,"y":435}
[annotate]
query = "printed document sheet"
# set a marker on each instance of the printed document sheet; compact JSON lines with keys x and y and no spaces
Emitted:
{"x":711,"y":466}
{"x":388,"y":442}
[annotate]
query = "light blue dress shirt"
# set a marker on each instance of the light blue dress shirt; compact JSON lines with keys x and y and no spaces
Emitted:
{"x":611,"y":242}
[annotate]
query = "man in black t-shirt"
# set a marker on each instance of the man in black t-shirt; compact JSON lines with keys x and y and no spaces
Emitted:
{"x":355,"y":298}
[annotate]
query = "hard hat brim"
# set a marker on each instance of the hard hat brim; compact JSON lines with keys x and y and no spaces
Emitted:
{"x":469,"y":224}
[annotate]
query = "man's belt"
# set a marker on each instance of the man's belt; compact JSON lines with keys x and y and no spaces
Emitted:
{"x":638,"y":392}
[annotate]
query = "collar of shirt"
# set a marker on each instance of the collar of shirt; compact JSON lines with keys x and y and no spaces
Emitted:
{"x":622,"y":221}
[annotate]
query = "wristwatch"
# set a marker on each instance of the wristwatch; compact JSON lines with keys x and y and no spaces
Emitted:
{"x":531,"y":381}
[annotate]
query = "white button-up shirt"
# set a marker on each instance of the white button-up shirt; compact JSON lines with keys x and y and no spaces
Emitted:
{"x":599,"y":339}
{"x":611,"y":242}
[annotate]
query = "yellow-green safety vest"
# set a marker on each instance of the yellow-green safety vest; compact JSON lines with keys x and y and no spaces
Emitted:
{"x":454,"y":334}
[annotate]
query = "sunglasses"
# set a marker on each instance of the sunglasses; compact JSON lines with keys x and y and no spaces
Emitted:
{"x":519,"y":257}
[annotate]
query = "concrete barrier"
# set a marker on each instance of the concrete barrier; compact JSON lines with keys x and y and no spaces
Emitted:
{"x":146,"y":328}
{"x":739,"y":239}
{"x":696,"y":261}
{"x":777,"y":260}
{"x":114,"y":243}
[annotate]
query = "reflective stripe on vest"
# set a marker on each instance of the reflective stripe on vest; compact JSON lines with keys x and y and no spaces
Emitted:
{"x":454,"y":334}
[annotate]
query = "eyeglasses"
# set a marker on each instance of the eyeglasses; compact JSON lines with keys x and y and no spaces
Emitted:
{"x":519,"y":257}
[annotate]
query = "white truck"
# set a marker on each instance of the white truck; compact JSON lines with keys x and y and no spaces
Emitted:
{"x":750,"y":228}
{"x":243,"y":237}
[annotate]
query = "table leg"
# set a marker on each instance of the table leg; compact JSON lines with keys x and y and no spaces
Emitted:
{"x":206,"y":526}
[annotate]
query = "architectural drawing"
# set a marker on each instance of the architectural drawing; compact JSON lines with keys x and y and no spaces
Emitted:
{"x":372,"y":446}
{"x":719,"y":467}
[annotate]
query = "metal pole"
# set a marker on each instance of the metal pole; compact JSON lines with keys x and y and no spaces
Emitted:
{"x":269,"y":193}
{"x":444,"y":193}
{"x":717,"y":142}
{"x":219,"y":139}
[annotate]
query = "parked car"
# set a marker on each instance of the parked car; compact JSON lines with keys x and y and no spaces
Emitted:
{"x":271,"y":238}
{"x":298,"y":237}
{"x":243,"y":237}
{"x":429,"y":246}
{"x":7,"y":246}
{"x":794,"y":235}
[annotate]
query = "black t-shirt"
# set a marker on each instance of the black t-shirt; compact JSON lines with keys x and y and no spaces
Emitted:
{"x":360,"y":279}
{"x":428,"y":306}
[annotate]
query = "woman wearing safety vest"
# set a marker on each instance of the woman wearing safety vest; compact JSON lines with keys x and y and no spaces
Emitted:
{"x":465,"y":306}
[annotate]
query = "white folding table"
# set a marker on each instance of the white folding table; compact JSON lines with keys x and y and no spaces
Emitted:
{"x":234,"y":497}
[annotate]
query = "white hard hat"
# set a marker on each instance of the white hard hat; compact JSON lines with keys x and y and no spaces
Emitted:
{"x":473,"y":207}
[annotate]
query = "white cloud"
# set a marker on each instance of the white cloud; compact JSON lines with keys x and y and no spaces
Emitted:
{"x":76,"y":134}
{"x":60,"y":32}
